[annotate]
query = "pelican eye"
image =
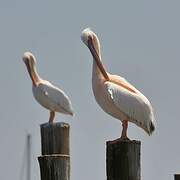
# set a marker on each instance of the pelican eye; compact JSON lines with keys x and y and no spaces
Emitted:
{"x":26,"y":58}
{"x":90,"y":37}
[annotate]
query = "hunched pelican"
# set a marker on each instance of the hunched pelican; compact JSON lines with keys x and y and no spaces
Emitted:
{"x":115,"y":95}
{"x":49,"y":96}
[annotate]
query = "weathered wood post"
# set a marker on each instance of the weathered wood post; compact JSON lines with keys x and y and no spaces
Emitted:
{"x":123,"y":160}
{"x":177,"y":177}
{"x":55,"y":160}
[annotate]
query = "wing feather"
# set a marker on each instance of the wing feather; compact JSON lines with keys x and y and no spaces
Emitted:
{"x":53,"y":98}
{"x":135,"y":105}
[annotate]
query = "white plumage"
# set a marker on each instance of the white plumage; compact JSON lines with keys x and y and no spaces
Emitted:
{"x":49,"y":96}
{"x":115,"y":95}
{"x":136,"y":107}
{"x":52,"y":98}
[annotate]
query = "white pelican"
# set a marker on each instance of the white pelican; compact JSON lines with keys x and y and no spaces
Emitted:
{"x":49,"y":96}
{"x":115,"y":95}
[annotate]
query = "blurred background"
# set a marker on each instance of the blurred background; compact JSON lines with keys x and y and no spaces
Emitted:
{"x":140,"y":40}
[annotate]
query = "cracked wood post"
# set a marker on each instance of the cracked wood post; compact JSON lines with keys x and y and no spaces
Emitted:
{"x":177,"y":177}
{"x":123,"y":160}
{"x":55,"y":160}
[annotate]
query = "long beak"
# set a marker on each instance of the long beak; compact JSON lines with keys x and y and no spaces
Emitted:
{"x":30,"y":73}
{"x":97,"y":58}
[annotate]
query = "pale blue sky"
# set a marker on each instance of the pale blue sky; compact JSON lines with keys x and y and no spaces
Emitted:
{"x":140,"y":40}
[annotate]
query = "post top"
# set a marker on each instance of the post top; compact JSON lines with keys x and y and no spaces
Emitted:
{"x":56,"y":124}
{"x":120,"y":141}
{"x":176,"y":176}
{"x":55,"y":156}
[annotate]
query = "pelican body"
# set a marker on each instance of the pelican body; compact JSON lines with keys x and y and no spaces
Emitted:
{"x":115,"y":95}
{"x":49,"y":96}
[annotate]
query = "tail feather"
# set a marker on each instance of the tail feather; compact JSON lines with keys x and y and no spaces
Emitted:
{"x":151,"y":128}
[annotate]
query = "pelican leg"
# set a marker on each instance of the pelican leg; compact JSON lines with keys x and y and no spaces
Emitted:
{"x":123,"y":134}
{"x":51,"y":117}
{"x":124,"y":130}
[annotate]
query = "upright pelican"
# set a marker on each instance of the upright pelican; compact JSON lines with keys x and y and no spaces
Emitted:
{"x":49,"y":96}
{"x":115,"y":95}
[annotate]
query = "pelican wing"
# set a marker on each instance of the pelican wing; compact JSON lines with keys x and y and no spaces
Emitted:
{"x":135,"y":105}
{"x":53,"y":98}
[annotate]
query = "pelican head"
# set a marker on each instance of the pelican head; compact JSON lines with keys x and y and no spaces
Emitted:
{"x":87,"y":36}
{"x":30,"y":62}
{"x":90,"y":39}
{"x":29,"y":59}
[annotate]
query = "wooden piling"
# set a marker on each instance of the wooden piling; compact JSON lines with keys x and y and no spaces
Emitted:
{"x":177,"y":177}
{"x":123,"y":160}
{"x":55,"y":160}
